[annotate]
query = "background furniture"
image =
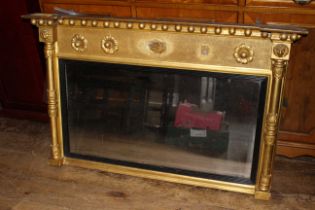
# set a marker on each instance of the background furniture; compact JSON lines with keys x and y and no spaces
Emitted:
{"x":297,"y":129}
{"x":22,"y":77}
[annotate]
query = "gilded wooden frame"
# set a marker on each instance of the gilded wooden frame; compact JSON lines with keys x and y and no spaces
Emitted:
{"x":269,"y":58}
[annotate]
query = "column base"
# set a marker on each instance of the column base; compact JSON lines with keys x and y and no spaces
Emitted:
{"x":262,"y":195}
{"x":56,"y":162}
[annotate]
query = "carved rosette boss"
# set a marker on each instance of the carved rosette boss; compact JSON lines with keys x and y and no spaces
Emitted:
{"x":243,"y":54}
{"x":79,"y":43}
{"x":109,"y":44}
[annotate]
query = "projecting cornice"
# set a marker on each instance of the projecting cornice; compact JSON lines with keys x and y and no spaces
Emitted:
{"x":273,"y":32}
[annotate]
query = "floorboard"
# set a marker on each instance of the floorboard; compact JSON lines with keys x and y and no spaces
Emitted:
{"x":27,"y":182}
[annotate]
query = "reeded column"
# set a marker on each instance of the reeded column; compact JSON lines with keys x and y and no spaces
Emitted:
{"x":279,"y":65}
{"x":46,"y":36}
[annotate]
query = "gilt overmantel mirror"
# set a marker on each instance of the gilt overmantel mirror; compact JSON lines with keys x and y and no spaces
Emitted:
{"x":192,"y":103}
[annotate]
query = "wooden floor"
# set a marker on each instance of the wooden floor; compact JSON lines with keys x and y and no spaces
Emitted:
{"x":27,"y":182}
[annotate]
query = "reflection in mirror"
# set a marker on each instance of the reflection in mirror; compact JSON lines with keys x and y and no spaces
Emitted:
{"x":181,"y":121}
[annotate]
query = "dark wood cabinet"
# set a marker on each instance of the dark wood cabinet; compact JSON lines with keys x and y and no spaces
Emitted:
{"x":297,"y":128}
{"x":297,"y":125}
{"x":297,"y":131}
{"x":21,"y":71}
{"x":281,"y":4}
